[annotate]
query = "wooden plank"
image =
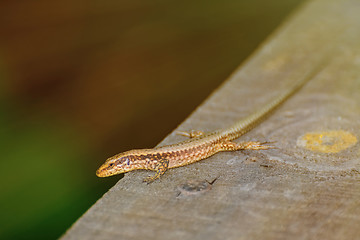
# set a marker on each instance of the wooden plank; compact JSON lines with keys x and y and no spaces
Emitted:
{"x":308,"y":188}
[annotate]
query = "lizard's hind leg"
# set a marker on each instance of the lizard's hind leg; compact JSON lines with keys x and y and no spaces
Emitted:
{"x":232,"y":146}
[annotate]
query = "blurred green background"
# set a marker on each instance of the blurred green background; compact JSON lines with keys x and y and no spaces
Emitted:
{"x":83,"y":80}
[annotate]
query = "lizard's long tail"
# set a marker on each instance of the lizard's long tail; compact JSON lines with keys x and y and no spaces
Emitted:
{"x":248,"y":123}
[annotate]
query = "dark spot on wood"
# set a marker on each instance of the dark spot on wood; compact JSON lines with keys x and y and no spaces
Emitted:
{"x":194,"y":187}
{"x":266,"y":165}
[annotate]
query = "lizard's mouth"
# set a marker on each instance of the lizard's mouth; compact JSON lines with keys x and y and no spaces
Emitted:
{"x":100,"y":173}
{"x":103,"y":172}
{"x":107,"y":170}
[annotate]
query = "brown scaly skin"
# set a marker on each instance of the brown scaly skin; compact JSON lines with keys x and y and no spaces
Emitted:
{"x":198,"y":147}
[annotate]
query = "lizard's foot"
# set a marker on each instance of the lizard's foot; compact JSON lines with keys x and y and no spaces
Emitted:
{"x":191,"y":134}
{"x":232,"y":146}
{"x":161,"y":167}
{"x":150,"y":179}
{"x":258,"y":145}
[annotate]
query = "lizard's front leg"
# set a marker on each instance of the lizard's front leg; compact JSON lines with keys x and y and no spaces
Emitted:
{"x":161,"y":166}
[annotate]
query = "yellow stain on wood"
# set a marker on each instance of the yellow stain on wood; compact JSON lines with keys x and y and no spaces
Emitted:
{"x":327,"y":142}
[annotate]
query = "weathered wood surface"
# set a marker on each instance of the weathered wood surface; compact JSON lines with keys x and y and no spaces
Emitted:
{"x":287,"y":193}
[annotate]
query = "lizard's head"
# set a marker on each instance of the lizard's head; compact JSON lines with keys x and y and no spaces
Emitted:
{"x":117,"y":164}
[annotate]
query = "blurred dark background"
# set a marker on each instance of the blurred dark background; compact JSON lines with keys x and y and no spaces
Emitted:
{"x":83,"y":80}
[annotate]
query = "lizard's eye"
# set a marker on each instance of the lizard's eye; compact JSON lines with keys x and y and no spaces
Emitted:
{"x":111,"y":165}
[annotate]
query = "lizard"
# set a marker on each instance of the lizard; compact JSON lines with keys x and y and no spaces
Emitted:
{"x":200,"y":145}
